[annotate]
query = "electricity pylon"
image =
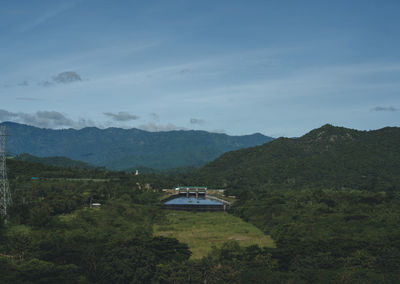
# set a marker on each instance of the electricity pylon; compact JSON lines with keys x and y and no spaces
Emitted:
{"x":5,"y":195}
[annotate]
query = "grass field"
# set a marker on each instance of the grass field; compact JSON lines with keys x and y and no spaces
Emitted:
{"x":202,"y":230}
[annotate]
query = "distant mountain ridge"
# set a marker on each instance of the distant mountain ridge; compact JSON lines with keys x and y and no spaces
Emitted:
{"x":327,"y":157}
{"x":120,"y":149}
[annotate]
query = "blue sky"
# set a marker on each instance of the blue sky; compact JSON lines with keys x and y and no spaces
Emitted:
{"x":280,"y":68}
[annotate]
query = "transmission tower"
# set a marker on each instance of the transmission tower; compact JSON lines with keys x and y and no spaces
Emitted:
{"x":5,"y":195}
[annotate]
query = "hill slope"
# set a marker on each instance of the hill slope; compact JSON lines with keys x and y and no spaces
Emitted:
{"x":328,"y":157}
{"x":57,"y":161}
{"x":117,"y":148}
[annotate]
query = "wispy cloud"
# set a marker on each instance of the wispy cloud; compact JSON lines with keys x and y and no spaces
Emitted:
{"x":154,"y":116}
{"x":44,"y":119}
{"x":65,"y":77}
{"x":23,"y":84}
{"x":200,"y":67}
{"x":379,"y":108}
{"x":121,"y":116}
{"x":48,"y":15}
{"x":27,"y":99}
{"x":153,"y":127}
{"x":351,"y":81}
{"x":197,"y":121}
{"x":235,"y":99}
{"x":4,"y":114}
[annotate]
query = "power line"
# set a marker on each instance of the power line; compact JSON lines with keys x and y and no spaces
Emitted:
{"x":5,"y":195}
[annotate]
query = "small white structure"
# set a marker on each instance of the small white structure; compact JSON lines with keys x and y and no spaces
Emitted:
{"x":95,"y":205}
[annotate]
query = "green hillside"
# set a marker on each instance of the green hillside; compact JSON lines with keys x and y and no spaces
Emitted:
{"x":62,"y":162}
{"x":328,"y":157}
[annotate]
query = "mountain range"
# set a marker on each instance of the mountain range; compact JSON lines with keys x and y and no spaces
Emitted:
{"x":121,"y":149}
{"x":327,"y":157}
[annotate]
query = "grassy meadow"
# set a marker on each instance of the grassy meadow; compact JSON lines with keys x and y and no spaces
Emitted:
{"x":203,"y":230}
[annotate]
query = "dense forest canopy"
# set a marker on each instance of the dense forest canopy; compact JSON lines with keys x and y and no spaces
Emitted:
{"x":52,"y":234}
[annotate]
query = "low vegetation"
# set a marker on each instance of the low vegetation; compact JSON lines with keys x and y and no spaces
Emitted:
{"x":202,"y":231}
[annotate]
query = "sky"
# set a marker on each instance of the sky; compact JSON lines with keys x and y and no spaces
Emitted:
{"x":280,"y":68}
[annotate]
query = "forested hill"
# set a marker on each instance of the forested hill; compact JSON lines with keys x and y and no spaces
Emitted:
{"x":120,"y":149}
{"x":327,"y":157}
{"x":57,"y":161}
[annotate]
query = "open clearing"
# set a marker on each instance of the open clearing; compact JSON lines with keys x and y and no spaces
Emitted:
{"x":203,"y":230}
